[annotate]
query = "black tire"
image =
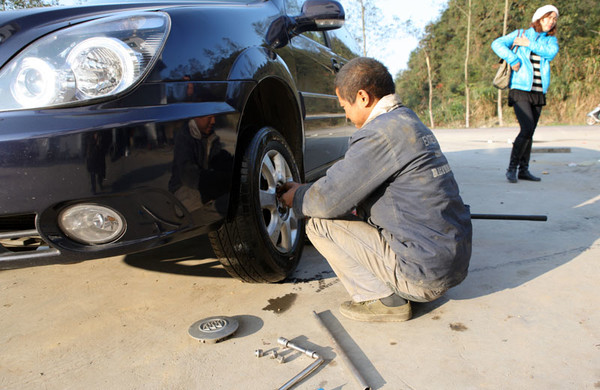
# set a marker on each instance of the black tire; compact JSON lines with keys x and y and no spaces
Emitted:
{"x":263,"y":242}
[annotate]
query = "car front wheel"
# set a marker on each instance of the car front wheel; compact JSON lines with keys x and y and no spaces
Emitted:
{"x":263,"y":241}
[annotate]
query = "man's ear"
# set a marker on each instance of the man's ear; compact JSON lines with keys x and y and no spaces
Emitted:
{"x":363,"y":98}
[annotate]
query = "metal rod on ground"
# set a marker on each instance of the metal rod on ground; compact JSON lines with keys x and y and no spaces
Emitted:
{"x":342,"y":354}
{"x":288,"y":344}
{"x":510,"y":217}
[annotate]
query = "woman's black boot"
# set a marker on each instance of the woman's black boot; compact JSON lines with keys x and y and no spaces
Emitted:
{"x":511,"y":175}
{"x":524,"y":173}
{"x":515,"y":156}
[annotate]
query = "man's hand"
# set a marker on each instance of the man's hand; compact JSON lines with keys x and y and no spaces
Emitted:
{"x":285,"y":193}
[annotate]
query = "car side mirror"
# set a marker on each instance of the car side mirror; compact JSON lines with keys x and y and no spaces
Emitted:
{"x":316,"y":15}
{"x":319,"y":15}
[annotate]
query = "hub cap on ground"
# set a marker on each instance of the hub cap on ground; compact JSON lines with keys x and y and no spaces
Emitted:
{"x":213,"y":329}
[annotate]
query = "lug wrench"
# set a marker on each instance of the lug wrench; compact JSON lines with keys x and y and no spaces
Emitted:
{"x":313,"y":366}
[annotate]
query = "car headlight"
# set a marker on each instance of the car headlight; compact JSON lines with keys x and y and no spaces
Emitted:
{"x":87,"y":61}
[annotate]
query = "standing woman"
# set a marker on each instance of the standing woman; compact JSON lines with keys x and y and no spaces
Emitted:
{"x":529,"y":82}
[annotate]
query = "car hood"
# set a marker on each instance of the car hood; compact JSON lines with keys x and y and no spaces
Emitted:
{"x":19,"y":28}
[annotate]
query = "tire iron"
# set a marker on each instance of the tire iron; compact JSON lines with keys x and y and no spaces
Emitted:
{"x":313,"y":366}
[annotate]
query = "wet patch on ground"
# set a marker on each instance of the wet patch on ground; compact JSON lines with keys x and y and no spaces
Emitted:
{"x":458,"y":327}
{"x":323,"y":285}
{"x":319,"y":276}
{"x":281,"y":304}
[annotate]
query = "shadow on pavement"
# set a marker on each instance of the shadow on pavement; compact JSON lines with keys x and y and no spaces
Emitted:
{"x":249,"y":325}
{"x":508,"y":254}
{"x":192,"y":257}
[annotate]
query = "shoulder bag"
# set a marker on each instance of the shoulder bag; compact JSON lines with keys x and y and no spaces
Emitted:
{"x":502,"y":78}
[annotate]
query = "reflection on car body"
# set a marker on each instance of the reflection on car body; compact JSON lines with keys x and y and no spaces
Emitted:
{"x":202,"y":168}
{"x":124,"y":127}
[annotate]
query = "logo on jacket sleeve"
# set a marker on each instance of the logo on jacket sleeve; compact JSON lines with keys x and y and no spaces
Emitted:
{"x":439,"y":171}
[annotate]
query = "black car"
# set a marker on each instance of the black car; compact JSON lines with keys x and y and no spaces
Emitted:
{"x":124,"y":127}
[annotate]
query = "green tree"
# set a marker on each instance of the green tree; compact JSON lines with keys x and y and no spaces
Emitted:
{"x":468,"y":14}
{"x":364,"y":21}
{"x":499,"y":101}
{"x":19,"y":4}
{"x":573,"y":90}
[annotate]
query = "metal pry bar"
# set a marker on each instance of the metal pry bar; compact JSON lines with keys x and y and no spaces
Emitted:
{"x":343,"y":356}
{"x":508,"y":217}
{"x":511,"y":217}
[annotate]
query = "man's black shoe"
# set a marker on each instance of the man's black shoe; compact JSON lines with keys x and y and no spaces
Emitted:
{"x":526,"y":175}
{"x":511,"y":175}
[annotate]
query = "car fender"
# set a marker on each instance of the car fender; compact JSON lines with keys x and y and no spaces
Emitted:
{"x":258,"y":63}
{"x":262,"y":66}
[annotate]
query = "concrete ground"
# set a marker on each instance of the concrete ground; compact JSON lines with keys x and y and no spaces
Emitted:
{"x":526,"y":317}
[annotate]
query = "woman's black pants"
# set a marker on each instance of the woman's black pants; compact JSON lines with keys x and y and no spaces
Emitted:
{"x":528,"y":116}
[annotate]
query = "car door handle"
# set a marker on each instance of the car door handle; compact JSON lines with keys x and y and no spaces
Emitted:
{"x":336,"y":65}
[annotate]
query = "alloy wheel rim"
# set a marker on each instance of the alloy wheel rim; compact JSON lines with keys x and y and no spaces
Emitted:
{"x":279,"y":221}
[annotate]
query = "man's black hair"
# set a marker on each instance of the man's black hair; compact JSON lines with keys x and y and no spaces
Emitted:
{"x":367,"y":74}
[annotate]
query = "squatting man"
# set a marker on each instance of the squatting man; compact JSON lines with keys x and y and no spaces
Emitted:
{"x":388,"y":218}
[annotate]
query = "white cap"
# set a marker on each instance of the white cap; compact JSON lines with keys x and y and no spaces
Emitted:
{"x":543,"y":11}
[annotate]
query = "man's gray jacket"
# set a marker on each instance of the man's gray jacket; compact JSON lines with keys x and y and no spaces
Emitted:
{"x":397,"y":177}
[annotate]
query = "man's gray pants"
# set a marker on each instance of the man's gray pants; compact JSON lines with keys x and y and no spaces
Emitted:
{"x":363,"y":260}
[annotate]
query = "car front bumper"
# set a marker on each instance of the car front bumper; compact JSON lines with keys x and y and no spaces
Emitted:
{"x":102,"y":154}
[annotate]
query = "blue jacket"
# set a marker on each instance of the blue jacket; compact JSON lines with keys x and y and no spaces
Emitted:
{"x":397,"y":177}
{"x":542,"y":44}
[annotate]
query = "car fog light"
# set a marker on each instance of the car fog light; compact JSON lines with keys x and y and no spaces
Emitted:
{"x":91,"y":224}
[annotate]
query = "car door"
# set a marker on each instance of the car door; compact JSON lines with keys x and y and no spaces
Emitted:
{"x":316,"y":64}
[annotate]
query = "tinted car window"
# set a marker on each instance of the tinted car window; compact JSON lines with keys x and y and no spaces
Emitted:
{"x":343,"y":43}
{"x":317,"y":36}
